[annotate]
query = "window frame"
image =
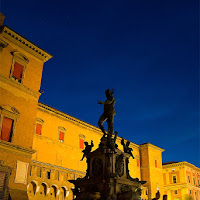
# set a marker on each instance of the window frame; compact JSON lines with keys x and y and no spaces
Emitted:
{"x":81,"y":137}
{"x":11,"y":113}
{"x":173,"y":178}
{"x":63,"y":130}
{"x":22,"y":60}
{"x":48,"y":174}
{"x":41,"y":122}
{"x":175,"y":192}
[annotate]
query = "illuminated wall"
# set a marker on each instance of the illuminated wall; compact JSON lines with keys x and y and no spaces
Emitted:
{"x":21,"y":64}
{"x":181,"y":181}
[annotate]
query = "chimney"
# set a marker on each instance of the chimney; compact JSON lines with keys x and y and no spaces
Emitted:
{"x":2,"y":17}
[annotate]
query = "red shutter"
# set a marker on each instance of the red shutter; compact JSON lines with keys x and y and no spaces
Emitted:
{"x":38,"y":129}
{"x":6,"y":129}
{"x":156,"y":164}
{"x":138,"y":162}
{"x":81,"y":143}
{"x":61,"y":136}
{"x":18,"y":70}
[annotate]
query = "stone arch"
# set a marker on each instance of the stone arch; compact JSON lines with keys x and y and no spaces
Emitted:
{"x":32,"y":187}
{"x":44,"y":188}
{"x":64,"y":192}
{"x":54,"y":190}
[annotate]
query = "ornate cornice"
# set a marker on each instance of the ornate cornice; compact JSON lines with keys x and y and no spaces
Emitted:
{"x":16,"y":149}
{"x":150,"y":145}
{"x":65,"y":116}
{"x":184,"y":163}
{"x":19,"y":86}
{"x":55,"y":166}
{"x":22,"y":42}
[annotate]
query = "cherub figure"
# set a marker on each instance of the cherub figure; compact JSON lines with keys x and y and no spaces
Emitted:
{"x":126,"y":147}
{"x":87,"y":149}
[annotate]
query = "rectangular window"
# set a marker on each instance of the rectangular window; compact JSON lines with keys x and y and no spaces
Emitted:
{"x":38,"y":129}
{"x":156,"y":164}
{"x":7,"y":129}
{"x":194,"y":181}
{"x":61,"y":136}
{"x":174,"y":179}
{"x":48,"y":174}
{"x":17,"y":71}
{"x":81,"y":143}
{"x":175,"y":191}
{"x":188,"y":179}
{"x":138,"y":164}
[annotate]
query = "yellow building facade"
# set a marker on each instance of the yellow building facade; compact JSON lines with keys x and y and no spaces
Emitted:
{"x":40,"y":146}
{"x":21,"y":65}
{"x":181,"y":181}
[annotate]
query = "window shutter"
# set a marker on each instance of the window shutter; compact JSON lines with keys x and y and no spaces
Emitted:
{"x":156,"y":164}
{"x":18,"y":70}
{"x":38,"y":129}
{"x":61,"y":136}
{"x":138,"y":162}
{"x":6,"y":129}
{"x":81,"y":143}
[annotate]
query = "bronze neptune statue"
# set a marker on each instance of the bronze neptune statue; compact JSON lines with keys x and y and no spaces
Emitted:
{"x":108,"y":114}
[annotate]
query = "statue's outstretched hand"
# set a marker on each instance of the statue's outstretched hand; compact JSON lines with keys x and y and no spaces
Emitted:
{"x":100,"y":102}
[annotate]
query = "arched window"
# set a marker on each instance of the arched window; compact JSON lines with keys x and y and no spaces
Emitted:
{"x":43,"y":189}
{"x":64,"y":192}
{"x":32,"y":186}
{"x":53,"y":191}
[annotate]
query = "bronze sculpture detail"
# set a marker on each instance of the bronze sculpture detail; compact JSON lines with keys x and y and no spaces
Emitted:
{"x":126,"y":147}
{"x":107,"y":175}
{"x":108,"y":114}
{"x":87,"y":149}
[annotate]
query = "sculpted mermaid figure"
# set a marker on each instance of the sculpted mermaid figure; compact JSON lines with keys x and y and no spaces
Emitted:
{"x":108,"y":114}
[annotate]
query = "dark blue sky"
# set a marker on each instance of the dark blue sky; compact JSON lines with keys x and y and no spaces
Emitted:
{"x":147,"y":50}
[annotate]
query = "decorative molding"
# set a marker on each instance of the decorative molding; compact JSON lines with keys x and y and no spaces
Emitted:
{"x":41,"y":121}
{"x":10,"y":109}
{"x":20,"y":57}
{"x":19,"y":86}
{"x":61,"y":128}
{"x":3,"y":44}
{"x":16,"y":149}
{"x":63,"y":168}
{"x":81,"y":136}
{"x":58,"y":113}
{"x":151,"y":145}
{"x":22,"y":42}
{"x":184,"y":163}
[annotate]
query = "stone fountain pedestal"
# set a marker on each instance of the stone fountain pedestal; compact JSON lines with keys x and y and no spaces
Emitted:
{"x":107,"y":176}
